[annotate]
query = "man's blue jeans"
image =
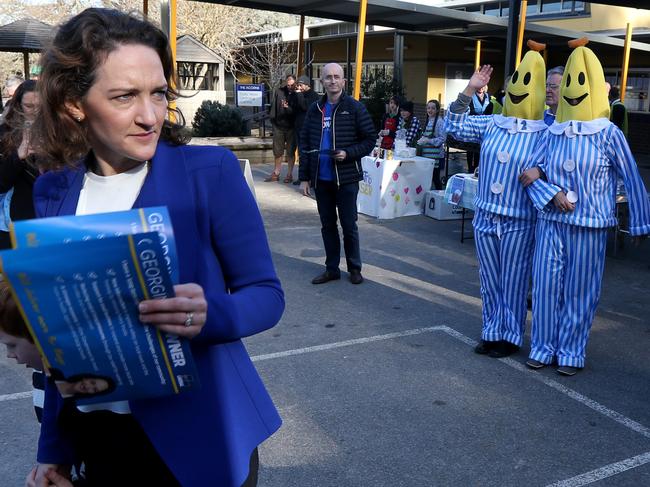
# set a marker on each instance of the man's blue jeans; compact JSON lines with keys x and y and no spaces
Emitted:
{"x":343,"y":199}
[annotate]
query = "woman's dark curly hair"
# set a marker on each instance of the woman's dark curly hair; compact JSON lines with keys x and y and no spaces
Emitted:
{"x":69,"y":66}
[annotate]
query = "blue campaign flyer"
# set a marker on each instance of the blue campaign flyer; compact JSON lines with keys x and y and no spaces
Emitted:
{"x":80,"y":300}
{"x":65,"y":229}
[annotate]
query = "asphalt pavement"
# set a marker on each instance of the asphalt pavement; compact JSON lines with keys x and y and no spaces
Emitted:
{"x":378,"y":385}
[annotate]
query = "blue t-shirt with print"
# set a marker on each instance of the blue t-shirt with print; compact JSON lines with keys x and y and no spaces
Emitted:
{"x":326,"y":166}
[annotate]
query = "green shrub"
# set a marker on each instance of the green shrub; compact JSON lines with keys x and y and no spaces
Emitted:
{"x":213,"y":119}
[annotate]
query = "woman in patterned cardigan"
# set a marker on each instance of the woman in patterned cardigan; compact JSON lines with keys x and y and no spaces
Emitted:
{"x":409,"y":122}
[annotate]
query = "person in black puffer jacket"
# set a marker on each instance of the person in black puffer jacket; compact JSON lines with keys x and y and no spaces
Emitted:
{"x":337,"y":133}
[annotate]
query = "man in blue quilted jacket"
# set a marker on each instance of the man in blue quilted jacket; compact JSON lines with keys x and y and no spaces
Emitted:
{"x":337,"y":133}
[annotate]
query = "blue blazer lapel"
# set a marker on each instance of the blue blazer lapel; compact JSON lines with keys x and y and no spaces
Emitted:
{"x":158,"y":182}
{"x":67,"y":188}
{"x":168,"y":184}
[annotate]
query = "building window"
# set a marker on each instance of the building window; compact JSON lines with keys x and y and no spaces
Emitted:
{"x":638,"y":88}
{"x":535,"y":8}
{"x":333,"y":29}
{"x":552,"y":6}
{"x":532,"y":9}
{"x":384,"y":70}
{"x":492,"y":9}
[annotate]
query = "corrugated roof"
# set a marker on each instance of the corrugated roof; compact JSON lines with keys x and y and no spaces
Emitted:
{"x":25,"y":35}
{"x":410,"y":16}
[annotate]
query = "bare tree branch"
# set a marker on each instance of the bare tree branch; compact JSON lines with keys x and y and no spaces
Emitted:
{"x":268,"y":59}
{"x":220,"y":27}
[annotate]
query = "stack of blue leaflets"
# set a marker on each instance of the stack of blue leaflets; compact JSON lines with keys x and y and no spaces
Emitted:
{"x":78,"y":281}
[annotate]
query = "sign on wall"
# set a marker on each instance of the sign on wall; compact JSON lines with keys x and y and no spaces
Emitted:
{"x":250,"y":95}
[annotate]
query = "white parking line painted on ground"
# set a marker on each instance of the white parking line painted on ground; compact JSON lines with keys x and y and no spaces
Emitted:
{"x":576,"y":396}
{"x":578,"y":481}
{"x":346,"y":343}
{"x":604,"y":472}
{"x":16,"y":395}
{"x":459,"y":336}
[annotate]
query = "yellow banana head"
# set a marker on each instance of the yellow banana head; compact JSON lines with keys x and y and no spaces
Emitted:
{"x":526,"y":91}
{"x":583,"y":95}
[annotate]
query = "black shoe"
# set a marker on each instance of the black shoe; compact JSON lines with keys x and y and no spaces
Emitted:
{"x":484,"y":347}
{"x":535,"y":364}
{"x":296,"y":182}
{"x":503,"y":349}
{"x":567,"y":370}
{"x":326,"y":276}
{"x":356,"y":277}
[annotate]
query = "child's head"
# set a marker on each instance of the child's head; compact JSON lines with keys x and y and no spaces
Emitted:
{"x":14,"y":333}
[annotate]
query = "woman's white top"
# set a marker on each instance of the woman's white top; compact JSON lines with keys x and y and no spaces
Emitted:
{"x":104,"y":194}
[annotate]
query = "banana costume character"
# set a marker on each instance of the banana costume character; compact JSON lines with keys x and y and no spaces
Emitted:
{"x":504,"y":220}
{"x":582,"y":154}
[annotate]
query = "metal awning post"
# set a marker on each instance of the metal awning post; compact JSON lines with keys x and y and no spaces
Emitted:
{"x":511,"y":41}
{"x":477,"y":59}
{"x":172,"y":30}
{"x":172,"y":45}
{"x":361,"y":35}
{"x":26,"y":64}
{"x":348,"y":57}
{"x":398,"y":59}
{"x":626,"y":60}
{"x":522,"y":28}
{"x":301,"y":48}
{"x":308,"y":56}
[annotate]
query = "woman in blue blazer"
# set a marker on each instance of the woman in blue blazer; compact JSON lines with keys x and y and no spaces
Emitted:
{"x":107,"y":79}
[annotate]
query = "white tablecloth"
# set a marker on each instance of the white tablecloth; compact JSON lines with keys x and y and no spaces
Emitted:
{"x":392,"y":187}
{"x":470,"y":185}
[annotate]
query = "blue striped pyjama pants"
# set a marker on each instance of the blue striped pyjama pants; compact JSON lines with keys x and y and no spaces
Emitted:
{"x":504,"y":247}
{"x":567,"y":277}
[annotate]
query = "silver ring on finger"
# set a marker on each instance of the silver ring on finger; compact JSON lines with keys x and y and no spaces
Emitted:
{"x":189,"y":319}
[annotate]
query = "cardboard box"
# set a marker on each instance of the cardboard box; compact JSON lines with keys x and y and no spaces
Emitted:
{"x":435,"y":206}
